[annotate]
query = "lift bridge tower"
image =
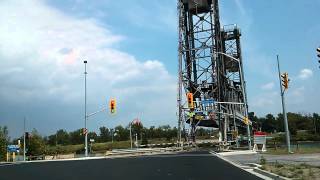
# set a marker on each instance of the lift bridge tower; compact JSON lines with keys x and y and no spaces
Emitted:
{"x":211,"y":87}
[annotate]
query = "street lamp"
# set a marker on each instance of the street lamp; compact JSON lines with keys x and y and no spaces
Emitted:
{"x":85,"y":109}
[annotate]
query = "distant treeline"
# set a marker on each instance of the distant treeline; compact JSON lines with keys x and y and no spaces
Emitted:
{"x":38,"y":145}
{"x":302,"y":126}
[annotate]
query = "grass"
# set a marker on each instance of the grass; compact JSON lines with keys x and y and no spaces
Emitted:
{"x":299,"y":171}
{"x":96,"y":147}
{"x":79,"y":148}
{"x":300,"y":150}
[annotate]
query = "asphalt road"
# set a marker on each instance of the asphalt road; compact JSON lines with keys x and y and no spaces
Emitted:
{"x":186,"y":166}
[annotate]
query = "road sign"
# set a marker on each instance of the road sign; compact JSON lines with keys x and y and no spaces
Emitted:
{"x":84,"y":131}
{"x":13,"y":148}
{"x":208,"y":101}
{"x":259,"y":138}
{"x":92,"y":140}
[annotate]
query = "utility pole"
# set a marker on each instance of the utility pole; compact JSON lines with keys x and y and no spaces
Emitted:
{"x":284,"y":109}
{"x":131,"y":135}
{"x":136,"y":140}
{"x":111,"y":135}
{"x":85,"y":109}
{"x":24,"y":139}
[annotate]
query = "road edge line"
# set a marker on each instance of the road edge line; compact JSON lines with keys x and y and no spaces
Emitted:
{"x":255,"y":170}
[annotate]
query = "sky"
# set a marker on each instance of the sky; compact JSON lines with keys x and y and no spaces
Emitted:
{"x":131,"y":49}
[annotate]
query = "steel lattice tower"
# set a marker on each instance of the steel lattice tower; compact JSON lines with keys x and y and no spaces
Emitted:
{"x":210,"y":67}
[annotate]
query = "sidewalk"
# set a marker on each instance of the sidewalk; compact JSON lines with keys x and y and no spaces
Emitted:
{"x":246,"y":158}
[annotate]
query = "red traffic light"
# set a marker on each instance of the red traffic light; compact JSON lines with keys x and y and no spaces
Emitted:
{"x":112,"y":106}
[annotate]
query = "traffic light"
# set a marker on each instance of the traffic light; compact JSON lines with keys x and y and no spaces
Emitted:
{"x":318,"y":51}
{"x":246,"y":120}
{"x":285,"y":80}
{"x":113,"y":106}
{"x":190,"y":100}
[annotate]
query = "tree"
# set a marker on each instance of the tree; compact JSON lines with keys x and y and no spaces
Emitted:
{"x":316,"y":121}
{"x":62,"y":137}
{"x":52,"y":140}
{"x":104,"y":135}
{"x":269,"y":123}
{"x":92,"y":135}
{"x":137,"y":129}
{"x":280,"y":123}
{"x":256,"y":123}
{"x":76,"y":137}
{"x":4,"y":139}
{"x":35,"y":144}
{"x":121,"y":134}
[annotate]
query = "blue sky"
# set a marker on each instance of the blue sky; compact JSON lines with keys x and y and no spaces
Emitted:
{"x":131,"y":48}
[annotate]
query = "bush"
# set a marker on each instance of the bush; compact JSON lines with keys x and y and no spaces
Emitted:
{"x":263,"y":161}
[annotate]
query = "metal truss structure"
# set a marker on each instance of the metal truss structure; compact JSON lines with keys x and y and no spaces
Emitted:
{"x":211,"y":68}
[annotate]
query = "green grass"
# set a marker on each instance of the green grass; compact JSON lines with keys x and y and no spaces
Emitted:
{"x":298,"y":171}
{"x":300,"y":150}
{"x":96,"y":147}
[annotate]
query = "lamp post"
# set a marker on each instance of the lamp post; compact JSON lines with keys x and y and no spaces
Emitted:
{"x":85,"y":108}
{"x":131,"y":135}
{"x":24,"y":139}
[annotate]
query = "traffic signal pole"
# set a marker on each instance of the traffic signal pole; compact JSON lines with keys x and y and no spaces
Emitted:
{"x":85,"y":109}
{"x":284,"y":109}
{"x":24,"y":139}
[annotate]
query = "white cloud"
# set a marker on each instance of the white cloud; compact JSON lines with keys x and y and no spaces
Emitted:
{"x":305,"y":74}
{"x":296,"y":96}
{"x":265,"y":99}
{"x":42,"y":51}
{"x":268,"y":86}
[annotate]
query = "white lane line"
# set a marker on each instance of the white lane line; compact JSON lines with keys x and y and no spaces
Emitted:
{"x":8,"y":164}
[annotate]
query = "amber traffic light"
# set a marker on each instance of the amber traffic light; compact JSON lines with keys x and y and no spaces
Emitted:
{"x":285,"y":80}
{"x":190,"y":100}
{"x":318,"y":51}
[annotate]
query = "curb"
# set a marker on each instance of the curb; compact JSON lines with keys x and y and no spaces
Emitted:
{"x":253,"y":170}
{"x":269,"y":174}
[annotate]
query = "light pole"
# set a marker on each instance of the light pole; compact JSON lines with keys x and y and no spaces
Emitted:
{"x":243,"y":90}
{"x":111,"y":135}
{"x":85,"y":108}
{"x":24,"y":139}
{"x":284,"y":109}
{"x":131,"y":135}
